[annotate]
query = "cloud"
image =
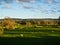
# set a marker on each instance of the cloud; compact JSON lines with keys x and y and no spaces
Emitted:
{"x":46,"y":1}
{"x":8,"y":1}
{"x":58,"y":10}
{"x":0,"y":3}
{"x":26,"y":5}
{"x":50,"y":1}
{"x":17,"y":1}
{"x":7,"y":6}
{"x":5,"y":1}
{"x":32,"y":1}
{"x":52,"y":11}
{"x":58,"y":1}
{"x":26,"y":1}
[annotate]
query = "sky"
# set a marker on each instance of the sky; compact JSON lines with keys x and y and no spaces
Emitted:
{"x":30,"y":8}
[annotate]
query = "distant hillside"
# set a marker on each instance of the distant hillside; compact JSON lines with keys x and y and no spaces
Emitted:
{"x":17,"y":19}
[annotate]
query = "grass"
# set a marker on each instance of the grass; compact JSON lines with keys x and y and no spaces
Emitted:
{"x":32,"y":32}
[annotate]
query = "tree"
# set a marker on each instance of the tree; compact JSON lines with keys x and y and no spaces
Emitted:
{"x":59,"y":21}
{"x":9,"y":23}
{"x":42,"y":23}
{"x":28,"y":24}
{"x":1,"y":30}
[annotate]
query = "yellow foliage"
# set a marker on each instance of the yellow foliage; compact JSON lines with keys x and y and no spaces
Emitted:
{"x":9,"y":23}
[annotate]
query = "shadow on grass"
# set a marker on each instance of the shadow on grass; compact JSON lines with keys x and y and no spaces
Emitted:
{"x":49,"y":40}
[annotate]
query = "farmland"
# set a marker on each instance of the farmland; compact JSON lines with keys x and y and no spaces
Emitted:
{"x":31,"y":32}
{"x":29,"y":28}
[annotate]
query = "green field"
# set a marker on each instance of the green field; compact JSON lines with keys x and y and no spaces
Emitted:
{"x":31,"y":32}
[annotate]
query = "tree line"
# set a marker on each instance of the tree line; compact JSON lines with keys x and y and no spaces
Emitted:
{"x":9,"y":23}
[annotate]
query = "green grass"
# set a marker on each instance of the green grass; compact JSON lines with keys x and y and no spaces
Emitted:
{"x":32,"y":32}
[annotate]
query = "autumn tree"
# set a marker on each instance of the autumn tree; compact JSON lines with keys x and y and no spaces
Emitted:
{"x":28,"y":24}
{"x":9,"y":23}
{"x":1,"y":28}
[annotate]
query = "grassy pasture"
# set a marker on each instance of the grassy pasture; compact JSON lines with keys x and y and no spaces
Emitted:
{"x":32,"y":32}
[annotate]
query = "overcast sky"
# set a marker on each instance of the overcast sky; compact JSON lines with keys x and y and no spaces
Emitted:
{"x":30,"y":8}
